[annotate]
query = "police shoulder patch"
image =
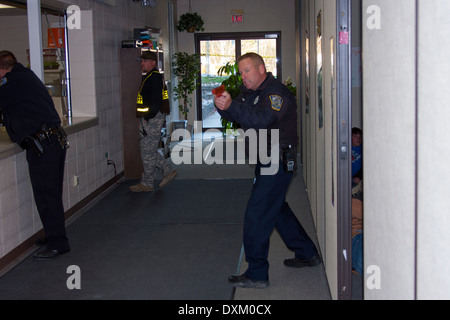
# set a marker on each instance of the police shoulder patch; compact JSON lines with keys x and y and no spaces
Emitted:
{"x":3,"y":81}
{"x":276,"y":101}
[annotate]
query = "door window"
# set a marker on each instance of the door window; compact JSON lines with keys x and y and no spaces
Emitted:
{"x":217,"y":50}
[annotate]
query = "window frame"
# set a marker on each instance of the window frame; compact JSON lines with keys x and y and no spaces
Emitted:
{"x":237,"y":37}
{"x":35,"y":43}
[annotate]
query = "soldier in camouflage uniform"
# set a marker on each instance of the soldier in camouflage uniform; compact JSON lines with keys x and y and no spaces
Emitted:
{"x":152,"y":120}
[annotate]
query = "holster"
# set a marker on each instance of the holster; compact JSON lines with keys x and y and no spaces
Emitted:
{"x":32,"y":143}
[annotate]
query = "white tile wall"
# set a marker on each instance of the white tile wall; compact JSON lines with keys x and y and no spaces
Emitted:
{"x":96,"y":92}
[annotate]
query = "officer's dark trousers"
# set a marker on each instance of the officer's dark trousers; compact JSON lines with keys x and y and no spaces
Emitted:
{"x":267,"y":209}
{"x":47,"y":175}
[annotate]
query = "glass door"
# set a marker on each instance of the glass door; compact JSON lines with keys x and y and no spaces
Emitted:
{"x":214,"y":54}
{"x":217,"y":50}
{"x":266,"y":48}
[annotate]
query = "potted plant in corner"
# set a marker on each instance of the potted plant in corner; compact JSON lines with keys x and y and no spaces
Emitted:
{"x":186,"y":67}
{"x":190,"y":22}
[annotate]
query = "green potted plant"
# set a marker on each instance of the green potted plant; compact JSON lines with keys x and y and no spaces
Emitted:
{"x":190,"y":22}
{"x":288,"y":83}
{"x":233,"y":86}
{"x":187,"y":68}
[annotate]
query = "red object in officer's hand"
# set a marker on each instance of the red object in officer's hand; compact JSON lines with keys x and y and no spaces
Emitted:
{"x":218,"y":91}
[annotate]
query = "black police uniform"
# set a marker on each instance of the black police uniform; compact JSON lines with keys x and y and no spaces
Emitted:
{"x":31,"y":121}
{"x":271,"y":106}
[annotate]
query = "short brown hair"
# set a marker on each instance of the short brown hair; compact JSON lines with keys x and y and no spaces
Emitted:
{"x":356,"y":130}
{"x":7,"y":60}
{"x":256,"y":58}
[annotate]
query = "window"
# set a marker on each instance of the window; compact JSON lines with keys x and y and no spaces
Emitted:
{"x":22,"y":39}
{"x":216,"y":50}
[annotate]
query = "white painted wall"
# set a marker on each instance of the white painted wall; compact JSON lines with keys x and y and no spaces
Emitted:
{"x":389,"y":148}
{"x":406,"y":149}
{"x":433,"y":201}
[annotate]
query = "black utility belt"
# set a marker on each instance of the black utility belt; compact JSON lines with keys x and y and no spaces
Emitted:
{"x":44,"y":134}
{"x":34,"y":142}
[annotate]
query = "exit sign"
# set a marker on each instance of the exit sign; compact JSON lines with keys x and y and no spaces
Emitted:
{"x":237,"y":16}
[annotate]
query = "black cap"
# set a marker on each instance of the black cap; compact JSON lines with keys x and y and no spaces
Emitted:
{"x":148,"y":55}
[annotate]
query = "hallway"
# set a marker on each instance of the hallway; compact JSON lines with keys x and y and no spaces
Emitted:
{"x":179,"y":243}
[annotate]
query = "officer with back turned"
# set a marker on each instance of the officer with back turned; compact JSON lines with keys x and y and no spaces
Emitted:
{"x":265,"y":103}
{"x":32,"y":121}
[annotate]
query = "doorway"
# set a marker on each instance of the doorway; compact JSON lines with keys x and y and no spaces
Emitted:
{"x":218,"y":49}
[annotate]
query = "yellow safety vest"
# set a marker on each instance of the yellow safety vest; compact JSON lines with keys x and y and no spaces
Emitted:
{"x":141,"y":109}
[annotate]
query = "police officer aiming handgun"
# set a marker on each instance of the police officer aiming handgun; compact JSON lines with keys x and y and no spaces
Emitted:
{"x":32,"y":121}
{"x":265,"y":103}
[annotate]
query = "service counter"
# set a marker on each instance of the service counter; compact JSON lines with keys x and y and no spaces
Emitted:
{"x":8,"y":148}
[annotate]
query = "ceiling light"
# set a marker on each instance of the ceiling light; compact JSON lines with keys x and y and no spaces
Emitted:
{"x":148,"y":3}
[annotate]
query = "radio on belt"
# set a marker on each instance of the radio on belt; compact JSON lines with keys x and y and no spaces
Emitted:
{"x":289,"y":159}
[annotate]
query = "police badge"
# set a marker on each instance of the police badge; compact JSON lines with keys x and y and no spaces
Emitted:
{"x":276,"y":102}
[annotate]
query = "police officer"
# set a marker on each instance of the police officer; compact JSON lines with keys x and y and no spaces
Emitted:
{"x":265,"y":103}
{"x":148,"y":106}
{"x":31,"y":121}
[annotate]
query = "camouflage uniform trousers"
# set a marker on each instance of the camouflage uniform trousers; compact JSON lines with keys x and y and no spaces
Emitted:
{"x":151,"y":157}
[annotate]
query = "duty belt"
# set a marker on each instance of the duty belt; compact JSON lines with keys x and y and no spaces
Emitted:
{"x":33,"y":141}
{"x":43,"y":134}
